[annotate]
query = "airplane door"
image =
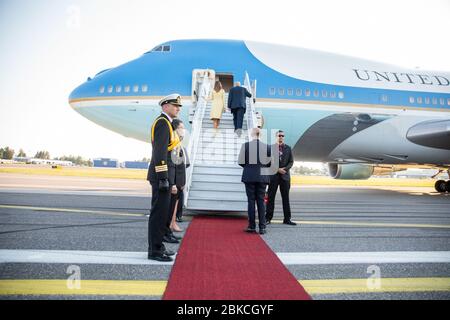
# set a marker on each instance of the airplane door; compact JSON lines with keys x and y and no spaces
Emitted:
{"x":197,"y":77}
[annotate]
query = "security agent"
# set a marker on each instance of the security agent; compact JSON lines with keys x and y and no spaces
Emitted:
{"x":164,"y":140}
{"x":281,"y":178}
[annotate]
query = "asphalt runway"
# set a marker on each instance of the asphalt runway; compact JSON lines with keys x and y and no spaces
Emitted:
{"x":350,"y":243}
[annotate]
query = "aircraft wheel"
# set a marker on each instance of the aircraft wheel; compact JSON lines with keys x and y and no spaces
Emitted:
{"x":440,"y":186}
{"x":447,"y":186}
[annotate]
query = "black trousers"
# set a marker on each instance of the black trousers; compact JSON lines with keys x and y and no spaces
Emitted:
{"x":238,"y":117}
{"x":173,"y":201}
{"x":285,"y":186}
{"x":255,"y":193}
{"x":158,"y":219}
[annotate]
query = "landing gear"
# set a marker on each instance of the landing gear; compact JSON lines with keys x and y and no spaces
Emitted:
{"x":442,"y":186}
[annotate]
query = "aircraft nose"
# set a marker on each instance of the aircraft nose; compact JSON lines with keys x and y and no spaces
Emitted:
{"x":80,"y":92}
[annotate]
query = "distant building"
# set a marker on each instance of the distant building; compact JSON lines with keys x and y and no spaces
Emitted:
{"x":29,"y":160}
{"x":106,"y":163}
{"x":136,"y":165}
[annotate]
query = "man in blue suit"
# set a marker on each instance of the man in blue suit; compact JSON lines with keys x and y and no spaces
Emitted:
{"x":254,"y":157}
{"x":236,"y":103}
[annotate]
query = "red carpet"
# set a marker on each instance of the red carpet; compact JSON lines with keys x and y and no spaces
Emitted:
{"x":217,"y":260}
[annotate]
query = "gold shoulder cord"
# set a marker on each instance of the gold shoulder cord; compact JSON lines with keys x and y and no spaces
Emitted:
{"x":174,"y":139}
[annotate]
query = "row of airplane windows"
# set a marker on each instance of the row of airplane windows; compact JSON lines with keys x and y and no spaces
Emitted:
{"x":127,"y":88}
{"x":428,"y":100}
{"x":281,"y":91}
{"x":306,"y":92}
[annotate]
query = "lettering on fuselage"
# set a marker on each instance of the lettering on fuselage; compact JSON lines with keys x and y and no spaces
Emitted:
{"x":395,"y":77}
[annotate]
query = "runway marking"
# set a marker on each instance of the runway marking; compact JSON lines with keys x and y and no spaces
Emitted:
{"x":100,"y":212}
{"x":340,"y":286}
{"x":316,"y":258}
{"x":287,"y":258}
{"x":369,"y":224}
{"x":80,"y":257}
{"x":87,"y":287}
{"x":157,"y":288}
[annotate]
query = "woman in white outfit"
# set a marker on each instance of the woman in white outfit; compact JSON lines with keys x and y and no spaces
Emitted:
{"x":218,"y":104}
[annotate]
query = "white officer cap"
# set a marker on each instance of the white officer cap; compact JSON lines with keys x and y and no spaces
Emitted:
{"x":173,"y":98}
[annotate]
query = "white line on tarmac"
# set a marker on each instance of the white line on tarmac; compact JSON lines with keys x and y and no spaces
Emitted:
{"x":314,"y":258}
{"x":287,"y":258}
{"x":81,"y":257}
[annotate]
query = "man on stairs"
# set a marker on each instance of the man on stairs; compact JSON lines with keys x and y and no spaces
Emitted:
{"x":237,"y":105}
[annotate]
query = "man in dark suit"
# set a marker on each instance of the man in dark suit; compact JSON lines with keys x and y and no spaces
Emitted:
{"x":236,"y":103}
{"x":254,"y":157}
{"x":164,"y":140}
{"x":281,"y":178}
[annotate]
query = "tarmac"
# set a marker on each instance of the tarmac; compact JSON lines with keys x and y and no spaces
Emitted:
{"x":350,"y":242}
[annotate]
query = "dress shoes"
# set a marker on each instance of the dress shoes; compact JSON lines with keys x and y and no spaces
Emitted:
{"x":268,"y":222}
{"x":291,"y":223}
{"x":262,"y":231}
{"x":160,"y":257}
{"x":170,"y":239}
{"x":180,"y":219}
{"x":250,"y":230}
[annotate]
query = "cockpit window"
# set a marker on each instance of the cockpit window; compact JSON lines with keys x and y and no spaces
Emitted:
{"x":165,"y":48}
{"x":102,"y":72}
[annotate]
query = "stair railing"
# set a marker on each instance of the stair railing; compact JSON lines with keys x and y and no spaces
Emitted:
{"x":194,"y":139}
{"x":252,"y":121}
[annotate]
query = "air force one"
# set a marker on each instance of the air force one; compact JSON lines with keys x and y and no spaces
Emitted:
{"x":359,"y":116}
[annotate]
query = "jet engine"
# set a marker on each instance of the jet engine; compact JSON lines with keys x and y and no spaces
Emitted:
{"x":350,"y":171}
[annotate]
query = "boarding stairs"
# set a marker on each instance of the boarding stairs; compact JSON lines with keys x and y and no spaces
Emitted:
{"x":214,"y":176}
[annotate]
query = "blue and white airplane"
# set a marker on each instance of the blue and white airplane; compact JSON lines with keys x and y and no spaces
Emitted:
{"x":359,"y":116}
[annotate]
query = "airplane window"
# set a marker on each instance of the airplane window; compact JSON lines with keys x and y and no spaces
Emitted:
{"x":290,"y":92}
{"x":307,"y":92}
{"x":411,"y":99}
{"x":110,"y":89}
{"x":333,"y":94}
{"x":442,"y":101}
{"x":281,"y":91}
{"x":419,"y":99}
{"x":298,"y":92}
{"x":427,"y":100}
{"x":144,"y":88}
{"x":158,"y":48}
{"x":448,"y":102}
{"x":434,"y":100}
{"x":118,"y":89}
{"x":341,"y":95}
{"x":102,"y":89}
{"x":316,"y":93}
{"x":384,"y":98}
{"x":166,"y":49}
{"x":135,"y":88}
{"x":324,"y":93}
{"x":127,"y":89}
{"x":272,"y":91}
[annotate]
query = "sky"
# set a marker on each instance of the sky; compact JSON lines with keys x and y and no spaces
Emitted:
{"x":49,"y":47}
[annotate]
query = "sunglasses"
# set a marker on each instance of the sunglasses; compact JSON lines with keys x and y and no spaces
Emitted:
{"x":281,"y":136}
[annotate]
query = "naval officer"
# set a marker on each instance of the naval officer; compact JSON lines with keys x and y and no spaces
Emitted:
{"x":164,"y":140}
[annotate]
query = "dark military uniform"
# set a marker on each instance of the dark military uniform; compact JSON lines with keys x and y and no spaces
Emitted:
{"x":164,"y":140}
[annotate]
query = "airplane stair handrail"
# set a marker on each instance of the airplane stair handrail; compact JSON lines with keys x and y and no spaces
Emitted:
{"x":194,"y":139}
{"x":252,"y":121}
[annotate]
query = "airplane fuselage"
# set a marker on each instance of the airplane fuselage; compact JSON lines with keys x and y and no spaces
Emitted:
{"x":332,"y":108}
